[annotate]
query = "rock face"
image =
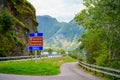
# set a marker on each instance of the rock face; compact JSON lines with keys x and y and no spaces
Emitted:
{"x":24,"y":15}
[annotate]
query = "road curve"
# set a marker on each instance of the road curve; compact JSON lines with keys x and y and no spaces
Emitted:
{"x":69,"y":71}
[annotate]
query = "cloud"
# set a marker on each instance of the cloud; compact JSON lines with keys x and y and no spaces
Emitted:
{"x":63,"y":10}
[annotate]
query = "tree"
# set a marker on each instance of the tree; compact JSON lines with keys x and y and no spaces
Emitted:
{"x":50,"y":51}
{"x":101,"y":20}
{"x":62,"y":51}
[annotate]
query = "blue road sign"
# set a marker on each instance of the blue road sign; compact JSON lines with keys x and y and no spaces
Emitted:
{"x":32,"y":35}
{"x":39,"y":34}
{"x":86,"y":55}
{"x":31,"y":48}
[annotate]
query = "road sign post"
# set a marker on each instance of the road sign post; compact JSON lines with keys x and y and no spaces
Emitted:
{"x":35,"y":56}
{"x":35,"y":43}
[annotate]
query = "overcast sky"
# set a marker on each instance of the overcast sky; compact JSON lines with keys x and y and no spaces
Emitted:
{"x":62,"y":10}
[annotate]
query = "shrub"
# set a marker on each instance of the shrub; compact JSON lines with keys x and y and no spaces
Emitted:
{"x":7,"y":22}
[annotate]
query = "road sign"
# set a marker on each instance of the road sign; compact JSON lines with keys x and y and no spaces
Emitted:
{"x":35,"y":48}
{"x":32,"y":34}
{"x":86,"y":55}
{"x":35,"y":41}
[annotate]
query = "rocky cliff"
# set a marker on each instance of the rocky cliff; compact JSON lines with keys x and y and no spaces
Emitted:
{"x":23,"y":15}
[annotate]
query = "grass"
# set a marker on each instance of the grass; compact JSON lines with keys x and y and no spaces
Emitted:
{"x":42,"y":67}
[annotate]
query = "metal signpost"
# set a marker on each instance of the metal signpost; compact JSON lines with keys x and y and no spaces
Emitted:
{"x":35,"y":43}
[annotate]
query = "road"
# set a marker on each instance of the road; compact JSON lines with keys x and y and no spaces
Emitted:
{"x":69,"y":71}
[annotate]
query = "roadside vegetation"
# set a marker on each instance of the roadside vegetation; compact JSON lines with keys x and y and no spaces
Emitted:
{"x":50,"y":66}
{"x":101,"y":39}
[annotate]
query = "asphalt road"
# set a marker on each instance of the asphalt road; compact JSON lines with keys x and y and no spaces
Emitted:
{"x":69,"y":71}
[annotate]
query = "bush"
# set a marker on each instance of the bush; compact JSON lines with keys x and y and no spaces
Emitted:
{"x":73,"y":55}
{"x":7,"y":22}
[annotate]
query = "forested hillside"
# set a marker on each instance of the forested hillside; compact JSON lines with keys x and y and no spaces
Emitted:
{"x":59,"y":34}
{"x":101,"y":19}
{"x":17,"y":19}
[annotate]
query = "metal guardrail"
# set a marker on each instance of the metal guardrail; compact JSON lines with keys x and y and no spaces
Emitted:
{"x":15,"y":57}
{"x":27,"y":57}
{"x":103,"y":70}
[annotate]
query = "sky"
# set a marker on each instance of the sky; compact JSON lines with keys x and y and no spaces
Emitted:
{"x":62,"y":10}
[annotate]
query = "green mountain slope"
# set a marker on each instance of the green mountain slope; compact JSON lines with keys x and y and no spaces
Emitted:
{"x":59,"y":34}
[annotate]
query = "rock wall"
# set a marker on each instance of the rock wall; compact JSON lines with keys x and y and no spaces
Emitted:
{"x":24,"y":15}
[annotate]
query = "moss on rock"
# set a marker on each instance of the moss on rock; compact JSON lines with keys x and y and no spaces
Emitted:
{"x":15,"y":41}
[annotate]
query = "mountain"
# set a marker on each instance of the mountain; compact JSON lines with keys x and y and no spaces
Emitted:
{"x":59,"y":34}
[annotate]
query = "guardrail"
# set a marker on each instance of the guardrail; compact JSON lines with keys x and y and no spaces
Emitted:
{"x":15,"y":58}
{"x":27,"y":57}
{"x":103,"y":70}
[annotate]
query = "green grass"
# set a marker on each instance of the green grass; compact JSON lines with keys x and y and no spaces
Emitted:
{"x":42,"y":67}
